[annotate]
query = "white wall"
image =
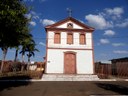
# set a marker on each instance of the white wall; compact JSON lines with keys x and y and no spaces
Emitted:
{"x":75,"y":44}
{"x":55,"y":57}
{"x":55,"y":61}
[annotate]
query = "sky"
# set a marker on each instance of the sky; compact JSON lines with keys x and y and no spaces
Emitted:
{"x":108,"y":17}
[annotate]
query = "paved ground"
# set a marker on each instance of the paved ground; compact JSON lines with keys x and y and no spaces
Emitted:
{"x":85,"y":88}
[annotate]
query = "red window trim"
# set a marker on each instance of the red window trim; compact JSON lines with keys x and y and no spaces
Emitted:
{"x":82,"y":42}
{"x":57,"y":40}
{"x":70,"y":42}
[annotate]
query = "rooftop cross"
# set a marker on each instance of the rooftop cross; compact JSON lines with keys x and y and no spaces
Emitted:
{"x":69,"y":12}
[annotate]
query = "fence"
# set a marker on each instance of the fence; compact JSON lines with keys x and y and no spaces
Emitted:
{"x":118,"y":68}
{"x":19,"y":66}
{"x":11,"y":68}
{"x":103,"y":70}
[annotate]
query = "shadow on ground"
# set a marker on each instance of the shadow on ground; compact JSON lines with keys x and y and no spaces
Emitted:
{"x":123,"y":90}
{"x":12,"y":81}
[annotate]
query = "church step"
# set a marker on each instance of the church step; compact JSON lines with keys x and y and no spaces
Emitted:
{"x":63,"y":77}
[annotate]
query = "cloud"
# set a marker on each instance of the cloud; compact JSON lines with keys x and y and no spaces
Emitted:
{"x":28,"y":16}
{"x":32,"y":23}
{"x":41,"y":43}
{"x":118,"y":44}
{"x":117,"y":11}
{"x":120,"y":52}
{"x":123,"y":24}
{"x":108,"y":18}
{"x":32,"y":15}
{"x":104,"y":41}
{"x":98,"y":21}
{"x":47,"y":22}
{"x":109,"y":33}
{"x":35,"y":17}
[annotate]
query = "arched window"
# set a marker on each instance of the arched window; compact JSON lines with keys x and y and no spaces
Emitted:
{"x":69,"y":25}
{"x":82,"y":39}
{"x":57,"y":38}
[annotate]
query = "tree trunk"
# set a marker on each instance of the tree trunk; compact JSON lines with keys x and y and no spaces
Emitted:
{"x":16,"y":55}
{"x":3,"y":58}
{"x":22,"y":67}
{"x":22,"y":57}
{"x":28,"y":61}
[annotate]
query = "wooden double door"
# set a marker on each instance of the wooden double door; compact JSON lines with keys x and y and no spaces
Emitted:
{"x":70,"y":63}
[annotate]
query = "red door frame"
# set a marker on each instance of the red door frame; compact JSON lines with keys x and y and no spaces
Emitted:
{"x":70,"y":52}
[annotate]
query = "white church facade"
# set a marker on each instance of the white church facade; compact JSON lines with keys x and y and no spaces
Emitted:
{"x":69,"y":48}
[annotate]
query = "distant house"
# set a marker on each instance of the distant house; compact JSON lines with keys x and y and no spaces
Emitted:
{"x":69,"y":48}
{"x":120,"y":66}
{"x":38,"y":66}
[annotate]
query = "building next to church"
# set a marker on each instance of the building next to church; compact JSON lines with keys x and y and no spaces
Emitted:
{"x":69,"y":48}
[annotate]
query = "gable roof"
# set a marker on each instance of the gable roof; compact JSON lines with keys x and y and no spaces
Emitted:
{"x":120,"y":59}
{"x":85,"y":27}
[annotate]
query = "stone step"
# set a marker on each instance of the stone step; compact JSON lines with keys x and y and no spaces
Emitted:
{"x":69,"y":77}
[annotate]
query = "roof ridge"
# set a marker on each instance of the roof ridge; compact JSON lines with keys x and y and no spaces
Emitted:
{"x":73,"y":20}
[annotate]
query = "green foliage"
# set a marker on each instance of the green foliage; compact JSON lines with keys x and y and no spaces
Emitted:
{"x":13,"y":23}
{"x":14,"y":30}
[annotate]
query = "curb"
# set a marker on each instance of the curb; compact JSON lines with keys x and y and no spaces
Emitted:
{"x":35,"y":80}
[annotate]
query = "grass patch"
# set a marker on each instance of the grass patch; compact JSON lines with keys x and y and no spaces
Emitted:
{"x":21,"y":75}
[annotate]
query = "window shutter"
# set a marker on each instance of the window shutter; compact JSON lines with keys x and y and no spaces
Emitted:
{"x":69,"y":38}
{"x":82,"y":38}
{"x":57,"y":38}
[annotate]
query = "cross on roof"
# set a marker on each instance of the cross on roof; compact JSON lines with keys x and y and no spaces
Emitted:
{"x":69,"y":12}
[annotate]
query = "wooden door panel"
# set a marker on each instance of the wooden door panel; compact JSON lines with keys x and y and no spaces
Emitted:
{"x":70,"y":63}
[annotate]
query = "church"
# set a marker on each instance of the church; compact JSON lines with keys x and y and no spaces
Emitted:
{"x":69,"y":48}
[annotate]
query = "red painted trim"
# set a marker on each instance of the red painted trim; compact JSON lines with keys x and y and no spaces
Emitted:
{"x":46,"y":52}
{"x":70,"y":19}
{"x":84,"y":38}
{"x":59,"y":38}
{"x":93,"y":55}
{"x":67,"y":30}
{"x":69,"y":48}
{"x":70,"y":52}
{"x":71,"y":38}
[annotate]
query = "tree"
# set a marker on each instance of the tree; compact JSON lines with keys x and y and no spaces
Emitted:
{"x":13,"y":24}
{"x":24,"y":44}
{"x":31,"y":49}
{"x":25,"y":37}
{"x":16,"y":53}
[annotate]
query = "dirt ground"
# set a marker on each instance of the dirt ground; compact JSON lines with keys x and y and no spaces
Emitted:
{"x":86,"y":88}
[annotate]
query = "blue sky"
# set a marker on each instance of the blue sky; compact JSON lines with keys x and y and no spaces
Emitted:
{"x":108,"y":17}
